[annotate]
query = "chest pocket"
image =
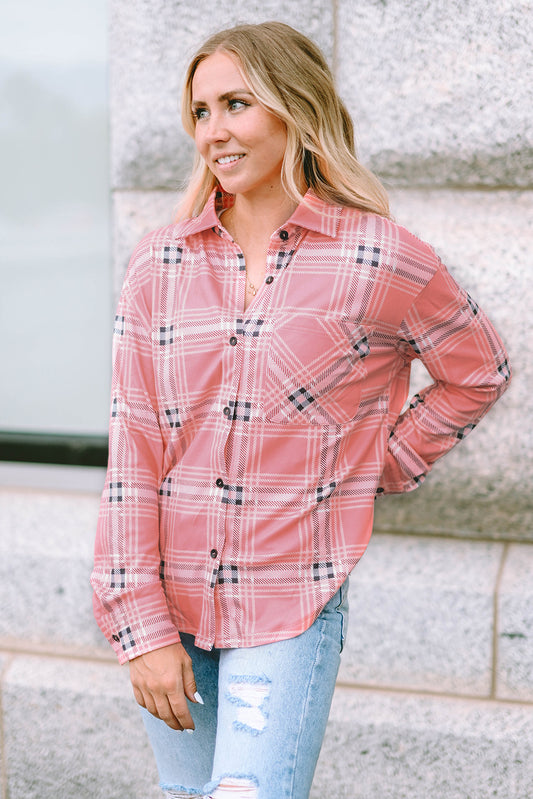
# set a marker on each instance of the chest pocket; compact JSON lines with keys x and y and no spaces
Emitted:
{"x":315,"y":371}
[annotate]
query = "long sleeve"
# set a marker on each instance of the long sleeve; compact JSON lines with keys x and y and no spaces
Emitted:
{"x":129,"y":601}
{"x":465,"y":357}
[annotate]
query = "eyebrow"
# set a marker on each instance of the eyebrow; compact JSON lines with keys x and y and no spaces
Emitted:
{"x":223,"y":97}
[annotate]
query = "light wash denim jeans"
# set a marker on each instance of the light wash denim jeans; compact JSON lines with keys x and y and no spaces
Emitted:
{"x":259,"y":733}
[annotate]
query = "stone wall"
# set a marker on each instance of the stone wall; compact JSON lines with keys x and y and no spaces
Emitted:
{"x":441,"y":94}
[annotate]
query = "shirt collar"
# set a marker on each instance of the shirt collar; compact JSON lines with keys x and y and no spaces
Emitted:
{"x":312,"y":213}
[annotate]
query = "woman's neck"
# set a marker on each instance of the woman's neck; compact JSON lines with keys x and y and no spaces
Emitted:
{"x":258,"y":219}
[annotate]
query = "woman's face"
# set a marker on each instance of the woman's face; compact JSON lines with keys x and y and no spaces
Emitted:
{"x":242,"y":143}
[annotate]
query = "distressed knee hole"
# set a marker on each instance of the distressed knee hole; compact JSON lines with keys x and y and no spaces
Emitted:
{"x":250,"y":694}
{"x":236,"y":788}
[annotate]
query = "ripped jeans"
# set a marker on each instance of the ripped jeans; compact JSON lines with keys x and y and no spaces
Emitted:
{"x":259,"y":733}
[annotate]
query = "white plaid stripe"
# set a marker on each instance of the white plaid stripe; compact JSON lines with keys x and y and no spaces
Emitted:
{"x":263,"y":509}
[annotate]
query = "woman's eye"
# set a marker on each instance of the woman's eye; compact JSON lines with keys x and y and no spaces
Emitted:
{"x":200,"y":113}
{"x":235,"y":105}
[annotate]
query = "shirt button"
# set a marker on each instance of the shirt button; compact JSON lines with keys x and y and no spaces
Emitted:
{"x":226,"y":411}
{"x":116,"y":638}
{"x":220,"y":482}
{"x":283,"y":235}
{"x":269,"y":279}
{"x":233,"y":341}
{"x":214,"y":553}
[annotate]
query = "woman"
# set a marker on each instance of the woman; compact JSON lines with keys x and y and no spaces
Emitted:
{"x":262,"y":356}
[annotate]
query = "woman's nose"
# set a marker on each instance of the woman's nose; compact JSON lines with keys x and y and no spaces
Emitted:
{"x":216,"y":128}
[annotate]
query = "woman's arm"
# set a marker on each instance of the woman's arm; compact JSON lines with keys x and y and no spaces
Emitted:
{"x":467,"y":361}
{"x":129,"y":600}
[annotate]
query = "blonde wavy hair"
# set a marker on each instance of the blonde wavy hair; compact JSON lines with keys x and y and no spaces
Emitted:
{"x":290,"y":77}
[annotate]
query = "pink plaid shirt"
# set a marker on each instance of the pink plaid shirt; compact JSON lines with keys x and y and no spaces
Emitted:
{"x":247,"y":448}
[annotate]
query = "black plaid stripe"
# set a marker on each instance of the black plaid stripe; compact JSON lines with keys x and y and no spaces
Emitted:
{"x":165,"y":487}
{"x":412,"y":343}
{"x":367,"y":255}
{"x":162,"y":575}
{"x":232,"y":495}
{"x":119,"y":326}
{"x":474,"y":307}
{"x":115,"y":492}
{"x":362,"y":347}
{"x":323,"y":492}
{"x":118,"y":578}
{"x":228,"y":574}
{"x":172,"y":255}
{"x":323,"y":570}
{"x":249,"y":327}
{"x":114,"y":407}
{"x":301,"y":398}
{"x":240,"y":410}
{"x":126,"y":638}
{"x":284,"y":259}
{"x":173,"y":417}
{"x":242,"y":264}
{"x":464,"y":431}
{"x":214,"y":577}
{"x":505,"y":370}
{"x":166,"y":335}
{"x":417,"y":400}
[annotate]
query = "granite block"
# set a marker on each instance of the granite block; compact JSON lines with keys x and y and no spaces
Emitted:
{"x":46,"y":552}
{"x":440,"y":92}
{"x":72,"y":729}
{"x":514,"y":665}
{"x":152,"y":44}
{"x":396,"y":746}
{"x":421,"y":615}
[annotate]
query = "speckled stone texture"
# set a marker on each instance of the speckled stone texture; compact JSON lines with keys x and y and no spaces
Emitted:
{"x":46,"y":553}
{"x":439,"y":91}
{"x":514,"y":667}
{"x":422,"y":615}
{"x":394,"y":746}
{"x":73,"y":731}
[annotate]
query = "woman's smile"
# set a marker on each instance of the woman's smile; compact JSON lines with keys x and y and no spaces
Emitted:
{"x":228,"y":162}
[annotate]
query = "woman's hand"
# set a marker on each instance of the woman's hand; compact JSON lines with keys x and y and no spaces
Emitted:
{"x":162,"y":682}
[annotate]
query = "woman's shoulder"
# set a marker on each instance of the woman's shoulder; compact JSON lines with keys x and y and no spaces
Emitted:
{"x":160,"y":236}
{"x":386,"y":237}
{"x":141,"y":267}
{"x":153,"y":241}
